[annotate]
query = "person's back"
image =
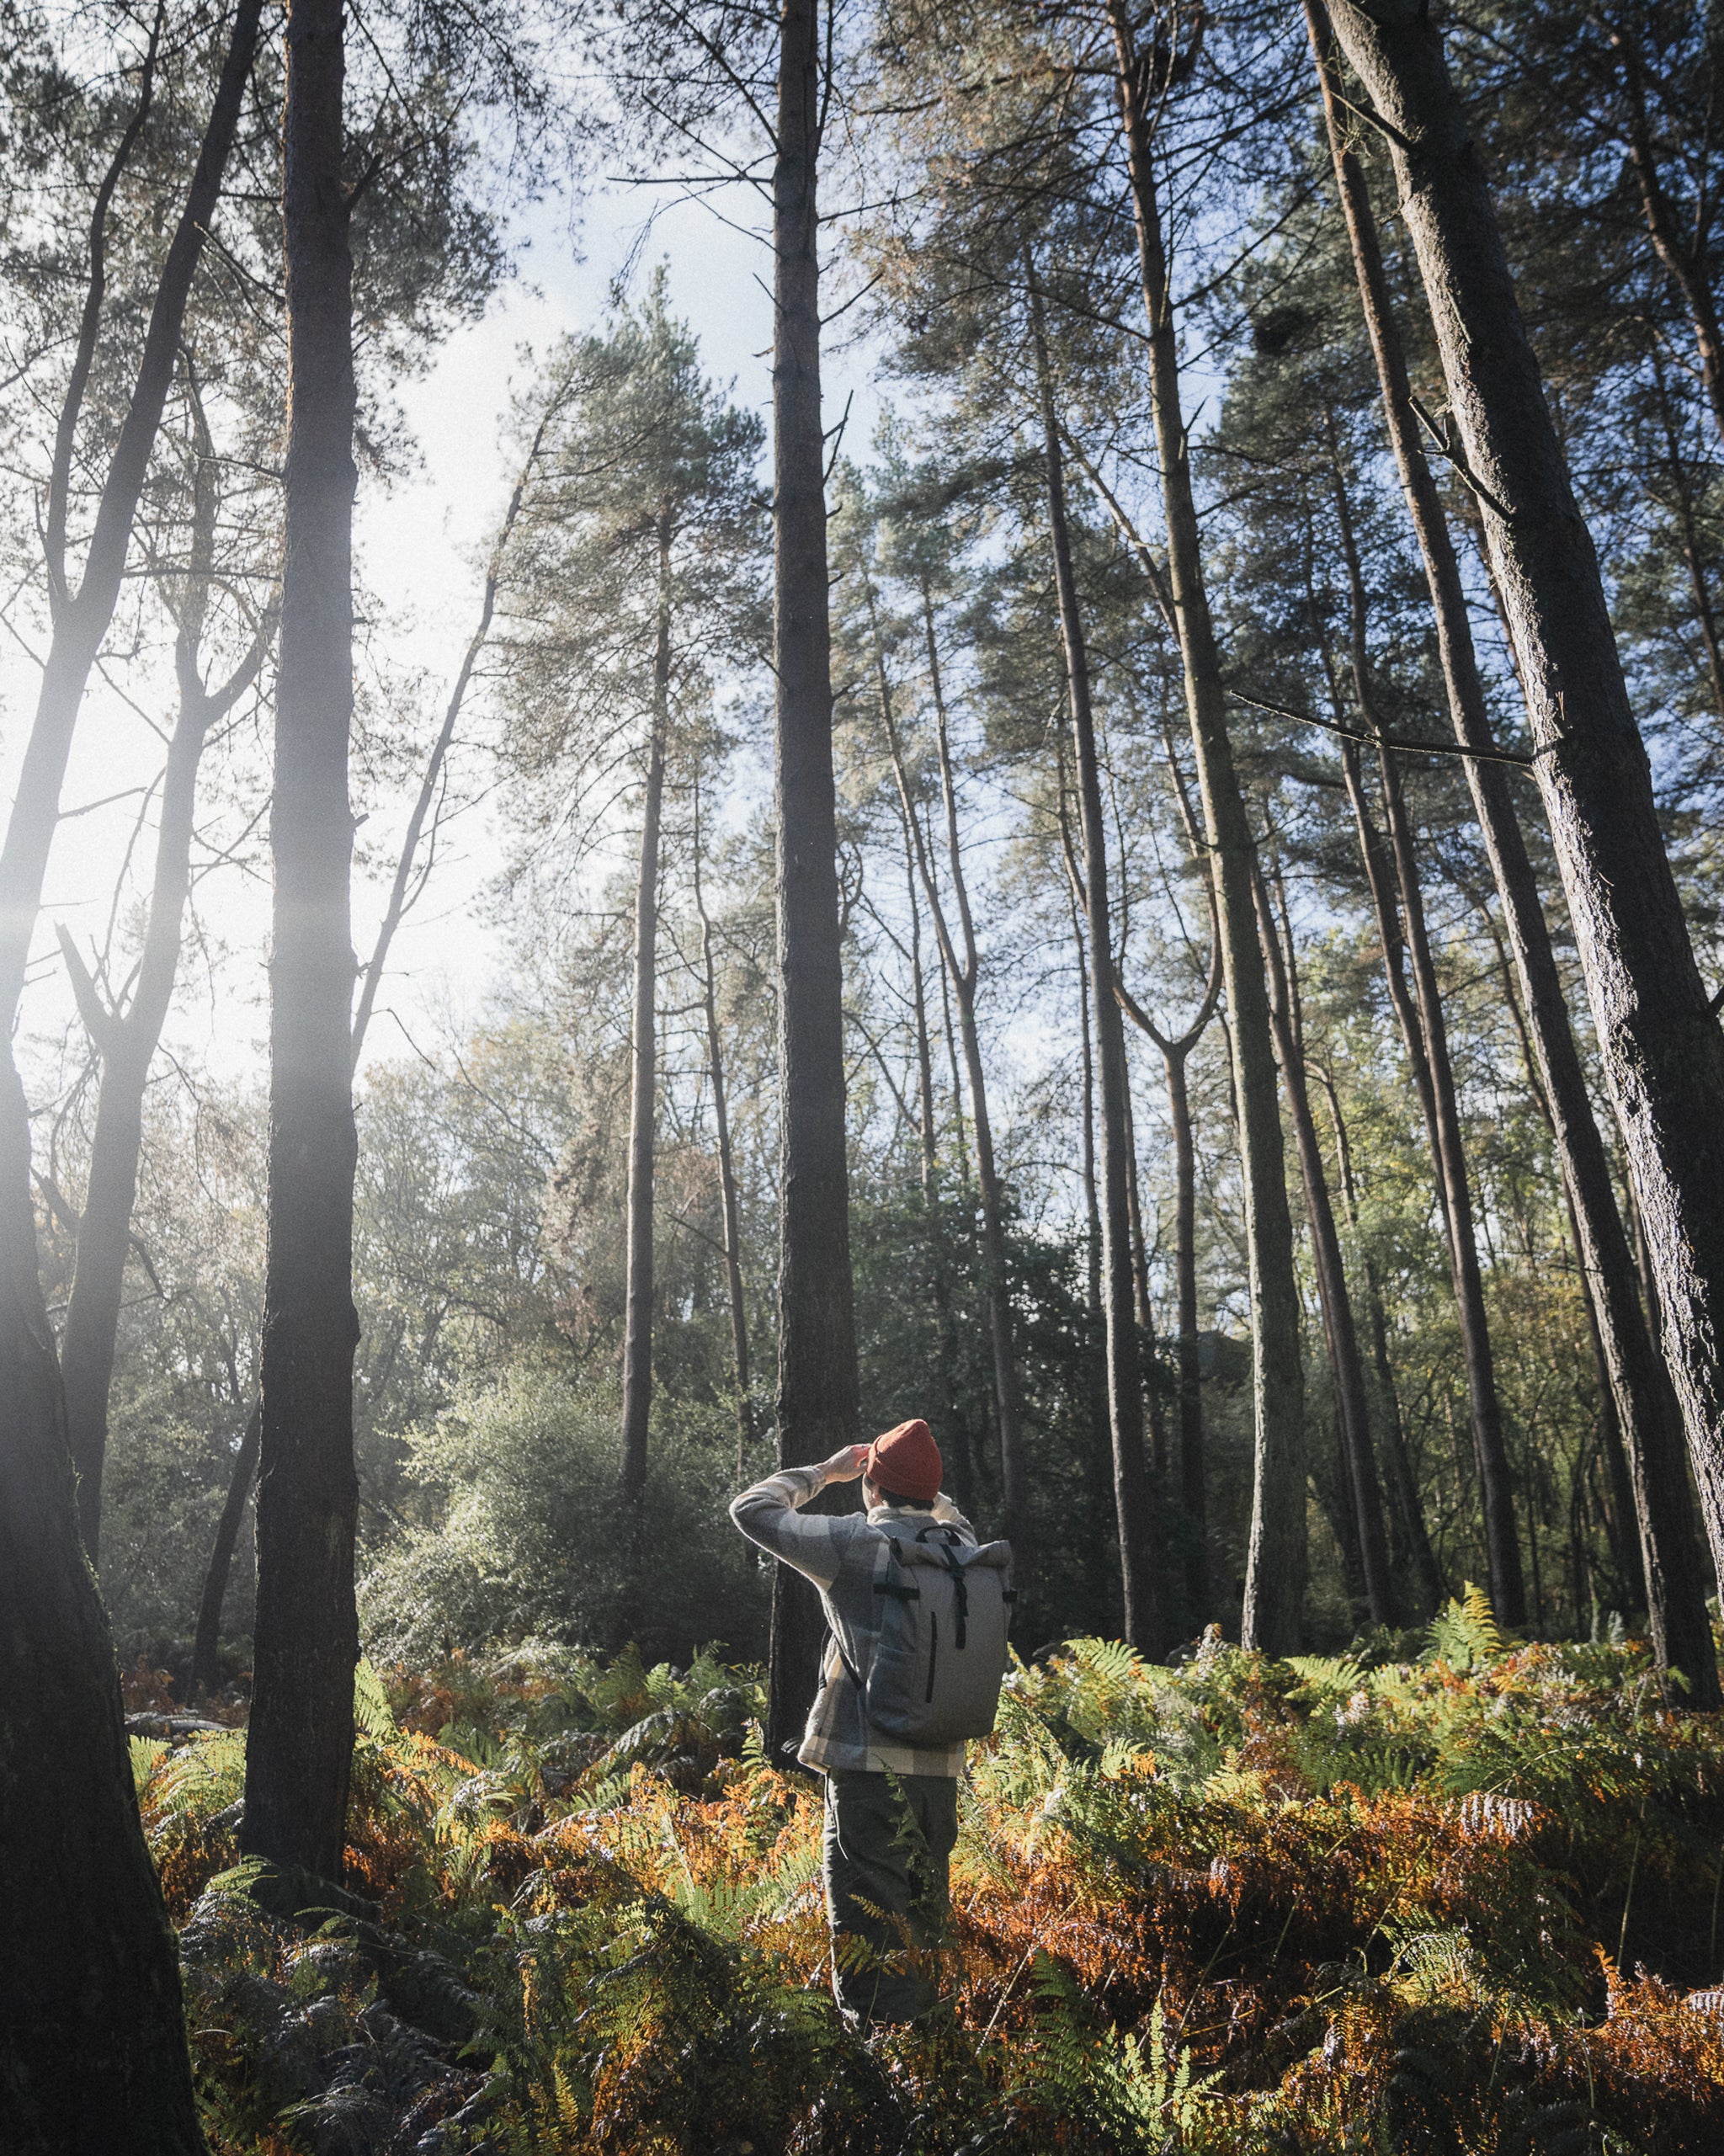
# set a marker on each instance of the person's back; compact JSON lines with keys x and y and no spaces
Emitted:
{"x":891,"y":1811}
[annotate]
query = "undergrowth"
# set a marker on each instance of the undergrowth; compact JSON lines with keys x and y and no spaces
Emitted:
{"x":1466,"y":1903}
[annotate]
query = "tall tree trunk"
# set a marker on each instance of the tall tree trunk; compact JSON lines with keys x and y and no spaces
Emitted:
{"x":1276,"y":1563}
{"x":817,"y":1404}
{"x":926,"y":1133}
{"x":126,"y":1040}
{"x":207,"y":1639}
{"x":1340,"y":1333}
{"x":92,"y":2049}
{"x":1145,"y":1316}
{"x":726,"y":1161}
{"x":1620,"y":1512}
{"x":1391,"y":875}
{"x":643,"y":1100}
{"x":1484,"y":1405}
{"x":963,"y":973}
{"x":92,"y":2045}
{"x":1099,"y":1474}
{"x":1139,"y":1561}
{"x":300,"y":1749}
{"x":954,"y":1437}
{"x":1646,"y":1409}
{"x":1659,"y":1042}
{"x":1193,"y":1473}
{"x":1413,"y":1544}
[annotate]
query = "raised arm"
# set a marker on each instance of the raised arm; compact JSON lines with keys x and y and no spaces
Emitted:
{"x":770,"y":1514}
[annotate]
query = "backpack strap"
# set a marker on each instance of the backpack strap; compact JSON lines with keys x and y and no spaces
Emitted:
{"x":849,"y":1667}
{"x":955,"y":1567}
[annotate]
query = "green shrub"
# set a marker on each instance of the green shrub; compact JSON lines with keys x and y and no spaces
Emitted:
{"x":535,"y":1541}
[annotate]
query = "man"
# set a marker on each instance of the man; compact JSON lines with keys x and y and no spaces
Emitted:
{"x":891,"y":1808}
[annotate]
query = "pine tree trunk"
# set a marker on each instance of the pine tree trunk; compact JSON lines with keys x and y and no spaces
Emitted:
{"x":1099,"y":1471}
{"x":207,"y":1641}
{"x":1659,"y":1043}
{"x":927,"y":1136}
{"x":727,"y":1164}
{"x":1193,"y":1474}
{"x":300,"y":1749}
{"x":962,"y":974}
{"x":643,"y":1103}
{"x":949,"y":1429}
{"x":1412,"y":1548}
{"x":1496,"y":1483}
{"x":1153,"y":1404}
{"x":1139,"y":1563}
{"x":1484,"y":1406}
{"x":1645,"y":1410}
{"x":92,"y":2045}
{"x":1364,"y":1491}
{"x":816,"y":1375}
{"x":1621,"y":1518}
{"x":1274,"y":1617}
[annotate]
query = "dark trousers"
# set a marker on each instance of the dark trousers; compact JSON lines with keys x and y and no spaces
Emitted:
{"x":887,"y":1865}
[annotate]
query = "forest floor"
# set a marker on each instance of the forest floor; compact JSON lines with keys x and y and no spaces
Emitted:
{"x":1469,"y":1902}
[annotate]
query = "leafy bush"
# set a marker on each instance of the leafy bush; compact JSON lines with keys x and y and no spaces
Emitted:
{"x":532,"y":1538}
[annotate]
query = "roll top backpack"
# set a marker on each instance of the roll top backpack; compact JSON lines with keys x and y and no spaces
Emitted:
{"x":934,"y":1677}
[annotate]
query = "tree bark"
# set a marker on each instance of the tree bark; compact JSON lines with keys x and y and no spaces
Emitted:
{"x":1340,"y":1332}
{"x":1139,"y":1564}
{"x":727,"y":1161}
{"x":300,"y":1749}
{"x":207,"y":1639}
{"x":1277,"y":1559}
{"x":1645,"y":1405}
{"x":1659,"y":1043}
{"x":643,"y":1103}
{"x":93,"y":2046}
{"x":817,"y":1405}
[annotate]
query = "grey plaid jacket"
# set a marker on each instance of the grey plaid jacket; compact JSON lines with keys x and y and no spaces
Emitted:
{"x":844,"y":1559}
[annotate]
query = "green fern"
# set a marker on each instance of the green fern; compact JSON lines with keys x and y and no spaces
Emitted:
{"x":372,"y":1712}
{"x":147,"y":1753}
{"x":1464,"y":1634}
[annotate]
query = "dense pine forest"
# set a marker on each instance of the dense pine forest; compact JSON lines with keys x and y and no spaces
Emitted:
{"x":1107,"y":840}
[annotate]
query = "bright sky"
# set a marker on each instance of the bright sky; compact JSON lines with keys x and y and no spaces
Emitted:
{"x":420,"y":544}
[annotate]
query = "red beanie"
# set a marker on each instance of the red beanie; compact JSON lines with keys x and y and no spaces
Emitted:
{"x":906,"y":1463}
